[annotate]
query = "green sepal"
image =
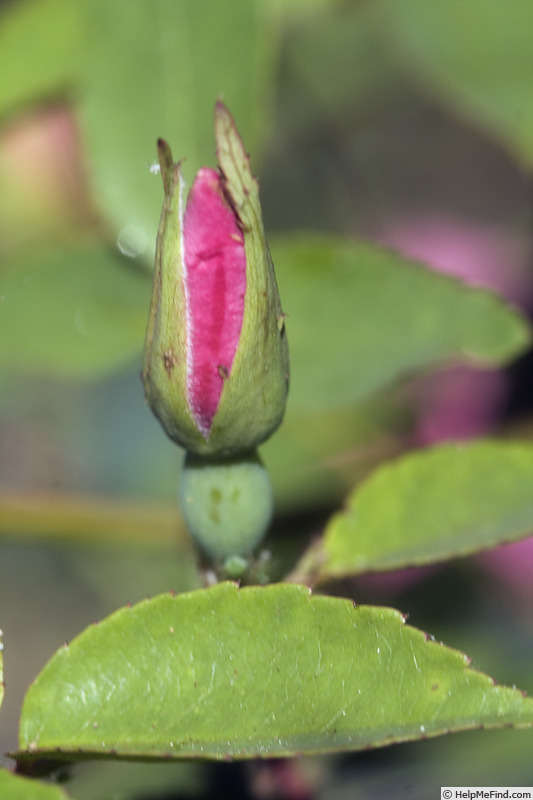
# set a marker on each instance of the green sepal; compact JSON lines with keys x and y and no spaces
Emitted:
{"x":254,"y":398}
{"x":164,"y":372}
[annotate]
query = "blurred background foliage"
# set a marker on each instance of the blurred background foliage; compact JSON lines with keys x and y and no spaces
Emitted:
{"x":408,"y":123}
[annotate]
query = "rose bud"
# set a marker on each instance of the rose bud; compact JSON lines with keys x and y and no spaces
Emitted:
{"x":216,"y":359}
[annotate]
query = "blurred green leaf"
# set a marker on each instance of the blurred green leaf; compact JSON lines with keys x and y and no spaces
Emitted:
{"x":14,"y":787}
{"x":359,"y":317}
{"x":476,"y":758}
{"x":154,"y":68}
{"x":39,"y":50}
{"x":112,"y":780}
{"x":241,"y":673}
{"x":312,"y":470}
{"x":433,"y":505}
{"x":295,"y":9}
{"x":477,"y":54}
{"x":75,"y":311}
{"x":332,"y":61}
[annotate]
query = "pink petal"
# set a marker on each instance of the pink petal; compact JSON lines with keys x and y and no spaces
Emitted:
{"x":215,"y":285}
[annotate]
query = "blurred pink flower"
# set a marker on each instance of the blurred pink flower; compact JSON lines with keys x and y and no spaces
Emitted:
{"x":462,"y":402}
{"x":479,"y":254}
{"x":43,"y":176}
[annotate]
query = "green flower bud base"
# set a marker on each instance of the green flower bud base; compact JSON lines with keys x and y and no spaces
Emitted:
{"x":227,"y":505}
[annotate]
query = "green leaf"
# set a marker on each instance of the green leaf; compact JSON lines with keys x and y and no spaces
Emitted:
{"x":477,"y":54}
{"x":14,"y":787}
{"x":359,"y":317}
{"x":433,"y":505}
{"x":154,"y":68}
{"x":39,"y":50}
{"x":76,"y":311}
{"x":240,"y":673}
